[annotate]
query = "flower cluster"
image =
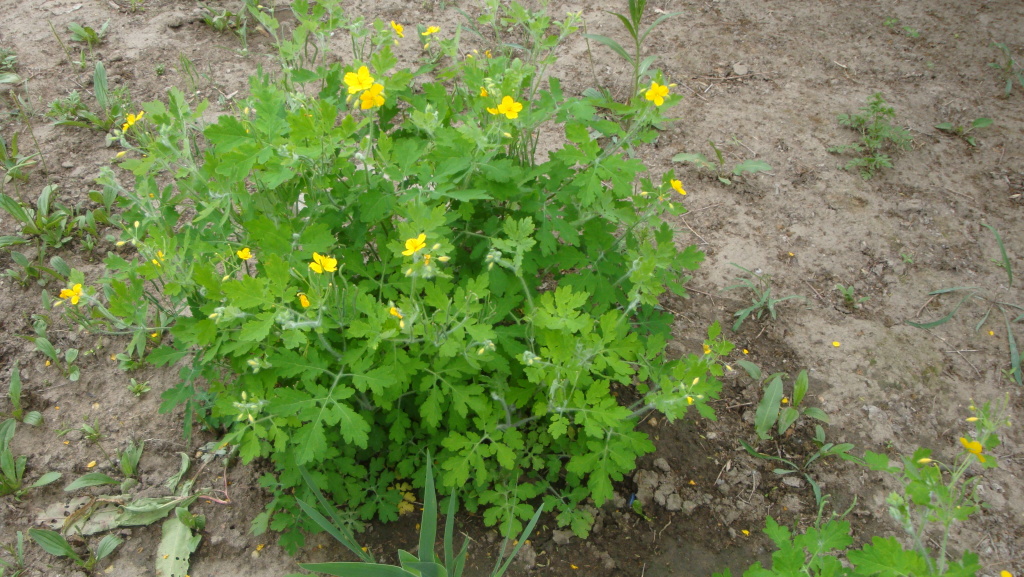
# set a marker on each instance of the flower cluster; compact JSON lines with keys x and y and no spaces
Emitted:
{"x":371,"y":94}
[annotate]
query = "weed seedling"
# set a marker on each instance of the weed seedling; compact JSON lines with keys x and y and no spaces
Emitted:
{"x":877,"y":136}
{"x":632,"y":23}
{"x":128,"y":459}
{"x":18,"y":413}
{"x":113,"y":106}
{"x":719,"y":168}
{"x":12,"y":469}
{"x":87,"y":35}
{"x":824,"y":450}
{"x":760,"y":288}
{"x":8,"y":60}
{"x":1008,"y":68}
{"x":850,"y":298}
{"x":990,"y":302}
{"x":16,"y":563}
{"x":55,"y":544}
{"x":776,"y":410}
{"x":13,"y":161}
{"x":138,"y":389}
{"x":964,"y":131}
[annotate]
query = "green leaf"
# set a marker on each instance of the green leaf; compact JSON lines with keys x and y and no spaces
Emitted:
{"x":53,"y":543}
{"x":177,"y":544}
{"x":981,"y":122}
{"x":788,"y":417}
{"x":46,"y":478}
{"x":615,"y":46}
{"x":815,"y":413}
{"x":107,"y":546}
{"x":753,"y":370}
{"x":357,"y":569}
{"x":768,"y":409}
{"x":751,"y":166}
{"x":799,"y":388}
{"x":887,"y":558}
{"x":90,"y":480}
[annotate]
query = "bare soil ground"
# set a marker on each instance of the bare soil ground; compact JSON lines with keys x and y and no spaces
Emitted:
{"x":763,"y":79}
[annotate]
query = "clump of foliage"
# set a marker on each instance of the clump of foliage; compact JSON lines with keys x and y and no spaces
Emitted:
{"x":1008,"y":67}
{"x":377,"y":267}
{"x":878,"y":137}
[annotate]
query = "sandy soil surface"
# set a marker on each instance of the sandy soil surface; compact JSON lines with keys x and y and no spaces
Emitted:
{"x":763,"y":80}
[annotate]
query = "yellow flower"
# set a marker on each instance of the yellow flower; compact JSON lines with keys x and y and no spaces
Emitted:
{"x":971,"y":419}
{"x":91,"y":464}
{"x":973,"y":447}
{"x":414,"y":245}
{"x":1005,"y":573}
{"x":303,"y":300}
{"x":430,"y":30}
{"x":487,"y":53}
{"x":244,"y":254}
{"x":689,"y":400}
{"x":359,"y":80}
{"x":322,"y":263}
{"x":74,"y":293}
{"x":924,"y":461}
{"x":509,"y":107}
{"x":372,"y":98}
{"x":130,"y":120}
{"x":483,"y":92}
{"x":745,"y":532}
{"x":398,"y":28}
{"x":746,"y":352}
{"x":124,"y":152}
{"x":656,"y":93}
{"x":836,"y":343}
{"x":707,"y":350}
{"x":159,"y":258}
{"x":426,"y":259}
{"x":677,"y":186}
{"x":393,"y":311}
{"x":785,"y":400}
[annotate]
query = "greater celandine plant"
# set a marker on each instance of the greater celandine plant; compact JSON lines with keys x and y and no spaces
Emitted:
{"x":364,"y":264}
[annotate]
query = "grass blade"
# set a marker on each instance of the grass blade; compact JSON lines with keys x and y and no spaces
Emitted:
{"x":1002,"y":251}
{"x":1014,"y":353}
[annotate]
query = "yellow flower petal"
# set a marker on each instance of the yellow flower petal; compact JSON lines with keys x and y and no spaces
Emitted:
{"x":414,"y":245}
{"x":244,"y":254}
{"x":398,"y":28}
{"x":322,"y":264}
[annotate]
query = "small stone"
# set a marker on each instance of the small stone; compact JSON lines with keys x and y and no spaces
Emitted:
{"x":561,"y":536}
{"x":740,"y":69}
{"x":689,"y":506}
{"x":662,"y":464}
{"x":674,"y":502}
{"x":606,"y":561}
{"x":67,"y":164}
{"x":795,"y":482}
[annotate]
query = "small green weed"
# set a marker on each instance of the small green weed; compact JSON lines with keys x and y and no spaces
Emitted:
{"x":128,"y":458}
{"x":892,"y":23}
{"x":16,"y":563}
{"x":1008,"y":67}
{"x":427,"y":562}
{"x":55,"y":544}
{"x":12,"y":469}
{"x":759,"y":285}
{"x":14,"y":162}
{"x":8,"y":60}
{"x":14,"y":394}
{"x":65,"y":362}
{"x":824,"y":450}
{"x":633,"y":22}
{"x":113,"y":107}
{"x":87,"y":35}
{"x":222,"y":20}
{"x":720,"y":170}
{"x":850,"y":298}
{"x":138,"y":389}
{"x":989,"y":302}
{"x":964,"y":132}
{"x":877,"y":136}
{"x":776,"y":410}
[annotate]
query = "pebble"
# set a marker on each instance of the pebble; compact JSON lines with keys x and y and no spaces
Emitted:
{"x":662,"y":464}
{"x":795,"y":482}
{"x":740,"y":69}
{"x":561,"y":536}
{"x":674,"y":503}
